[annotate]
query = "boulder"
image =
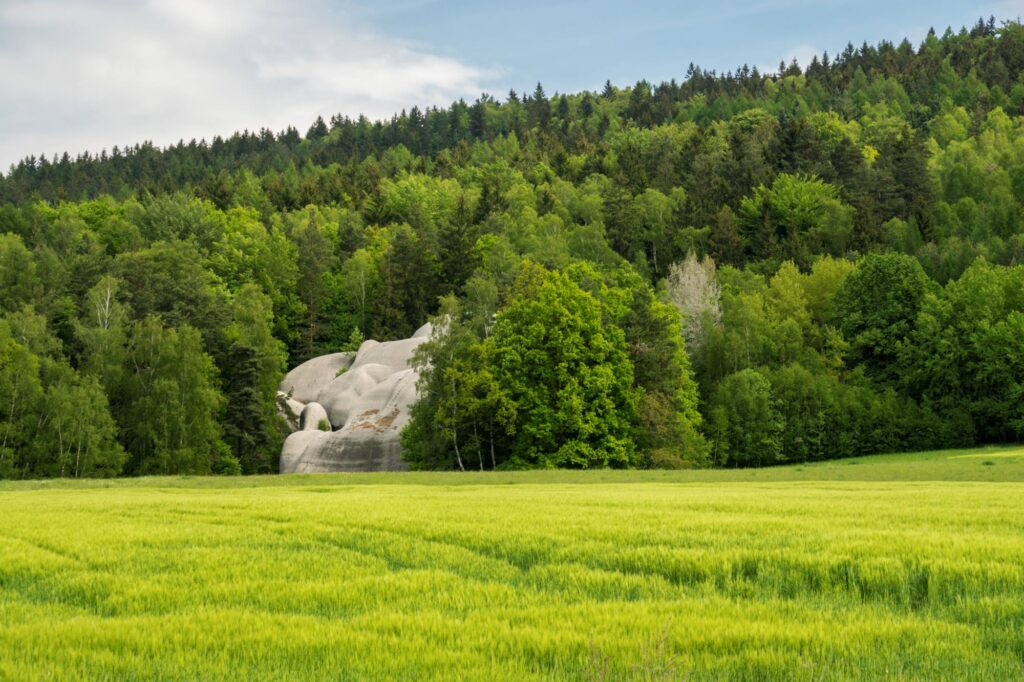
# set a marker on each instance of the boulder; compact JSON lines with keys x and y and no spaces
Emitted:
{"x":312,"y":416}
{"x":305,"y":382}
{"x":341,"y":394}
{"x":294,"y":447}
{"x":367,"y":405}
{"x":395,"y":355}
{"x":370,"y":439}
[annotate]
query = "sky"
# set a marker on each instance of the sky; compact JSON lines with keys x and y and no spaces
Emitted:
{"x":78,"y":75}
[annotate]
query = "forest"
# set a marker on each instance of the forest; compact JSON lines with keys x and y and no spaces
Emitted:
{"x":729,"y":270}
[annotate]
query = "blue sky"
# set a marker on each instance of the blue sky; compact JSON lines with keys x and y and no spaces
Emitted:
{"x":80,"y":75}
{"x":574,"y":45}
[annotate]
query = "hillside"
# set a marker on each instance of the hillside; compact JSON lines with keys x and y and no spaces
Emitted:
{"x":730,"y":270}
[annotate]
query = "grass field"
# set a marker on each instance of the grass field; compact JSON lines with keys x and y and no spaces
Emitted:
{"x":906,"y":567}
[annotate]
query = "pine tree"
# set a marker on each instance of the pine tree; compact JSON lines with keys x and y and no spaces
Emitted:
{"x":539,"y":109}
{"x":249,"y":421}
{"x":318,"y":130}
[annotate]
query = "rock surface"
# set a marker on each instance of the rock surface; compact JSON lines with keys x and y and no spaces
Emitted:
{"x":367,"y":406}
{"x":305,"y":382}
{"x":312,"y":416}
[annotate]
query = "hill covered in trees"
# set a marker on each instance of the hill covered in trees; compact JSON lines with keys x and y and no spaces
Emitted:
{"x":733,"y":269}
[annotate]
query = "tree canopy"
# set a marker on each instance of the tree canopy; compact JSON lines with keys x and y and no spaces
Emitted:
{"x":734,"y":269}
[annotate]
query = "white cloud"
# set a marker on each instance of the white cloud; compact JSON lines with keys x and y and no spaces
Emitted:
{"x":77,"y":75}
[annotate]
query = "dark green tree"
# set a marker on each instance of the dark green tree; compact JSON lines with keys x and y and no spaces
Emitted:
{"x":876,"y":308}
{"x":169,"y":406}
{"x":410,"y":285}
{"x":747,"y":429}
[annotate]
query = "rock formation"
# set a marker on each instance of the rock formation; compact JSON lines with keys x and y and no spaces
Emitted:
{"x":348,"y":409}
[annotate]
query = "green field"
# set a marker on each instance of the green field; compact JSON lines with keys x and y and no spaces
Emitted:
{"x":905,"y":567}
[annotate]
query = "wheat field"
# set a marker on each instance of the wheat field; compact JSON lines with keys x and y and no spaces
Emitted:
{"x":901,"y":567}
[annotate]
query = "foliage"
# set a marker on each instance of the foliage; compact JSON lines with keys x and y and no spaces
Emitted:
{"x":796,"y":216}
{"x":167,"y":402}
{"x":552,"y":386}
{"x":841,"y":240}
{"x":691,"y":286}
{"x":746,"y":426}
{"x":568,"y":374}
{"x":876,"y":308}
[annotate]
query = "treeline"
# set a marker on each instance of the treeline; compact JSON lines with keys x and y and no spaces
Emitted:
{"x":854,"y":358}
{"x":977,"y":68}
{"x":733,"y":270}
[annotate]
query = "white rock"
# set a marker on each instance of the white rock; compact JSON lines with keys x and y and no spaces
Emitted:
{"x":338,"y":396}
{"x":305,"y":382}
{"x":295,"y":446}
{"x":371,"y":439}
{"x":368,"y":405}
{"x":366,"y":345}
{"x":394,"y":354}
{"x":312,"y":416}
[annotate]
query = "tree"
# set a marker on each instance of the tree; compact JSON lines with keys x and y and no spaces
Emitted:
{"x":249,"y":193}
{"x":249,"y":419}
{"x":255,"y":364}
{"x":54,"y":421}
{"x":18,"y":280}
{"x":76,"y":436}
{"x":539,"y":109}
{"x":314,"y":262}
{"x":640,"y":108}
{"x":252,"y":326}
{"x":876,"y":308}
{"x":655,"y":210}
{"x":409,"y":283}
{"x":668,"y":415}
{"x":745,"y":423}
{"x":360,"y":282}
{"x":795,"y":217}
{"x":169,"y":406}
{"x":169,"y":280}
{"x":456,"y":239}
{"x":965,"y":355}
{"x":568,"y":375}
{"x":725,"y":243}
{"x":692,"y":288}
{"x":462,"y":411}
{"x":477,"y":406}
{"x":180,"y":217}
{"x":317,"y":130}
{"x":102,"y":333}
{"x":20,"y":393}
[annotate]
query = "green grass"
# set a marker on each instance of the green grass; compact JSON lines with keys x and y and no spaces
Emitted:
{"x":899,"y":567}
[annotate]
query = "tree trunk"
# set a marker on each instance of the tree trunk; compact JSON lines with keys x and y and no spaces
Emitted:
{"x":458,"y":455}
{"x":479,"y":450}
{"x":494,"y":465}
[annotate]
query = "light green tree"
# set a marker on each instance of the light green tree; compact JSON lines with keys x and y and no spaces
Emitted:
{"x":568,"y":375}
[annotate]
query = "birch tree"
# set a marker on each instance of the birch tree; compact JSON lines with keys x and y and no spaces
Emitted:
{"x":692,"y":288}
